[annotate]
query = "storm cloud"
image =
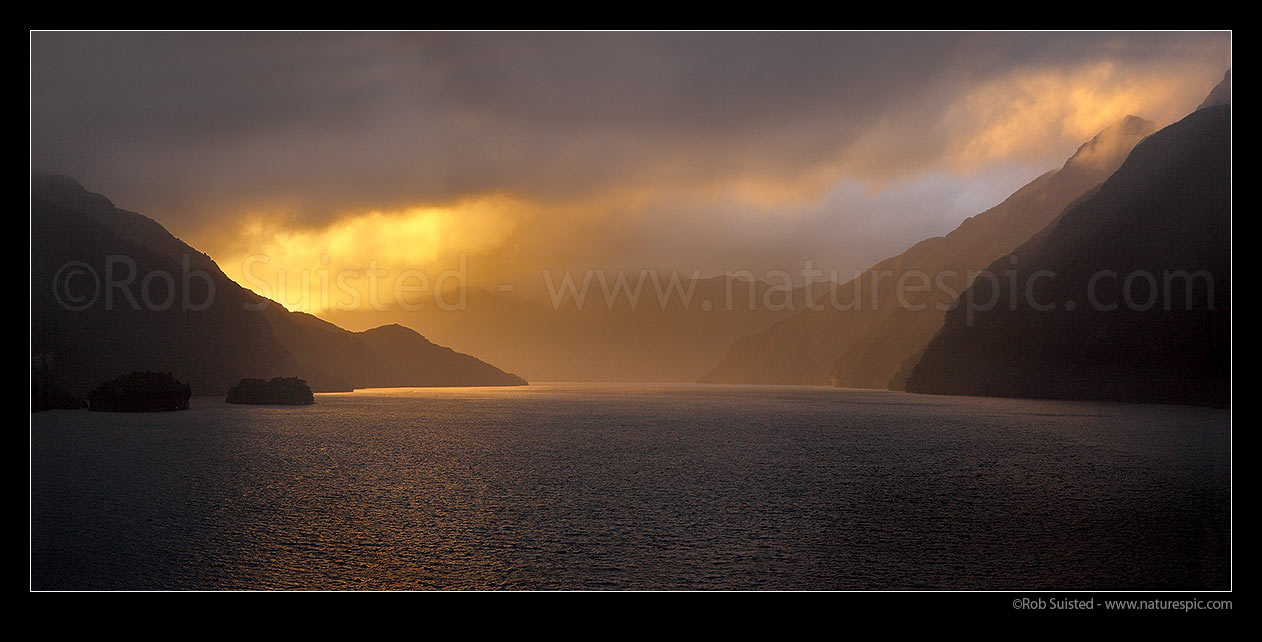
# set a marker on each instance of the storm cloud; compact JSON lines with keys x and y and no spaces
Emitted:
{"x":657,"y":147}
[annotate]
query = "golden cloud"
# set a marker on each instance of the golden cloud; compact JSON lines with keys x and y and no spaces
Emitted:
{"x":292,"y":265}
{"x":1021,"y":115}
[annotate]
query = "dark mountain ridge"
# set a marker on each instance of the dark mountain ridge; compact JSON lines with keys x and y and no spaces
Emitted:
{"x":1162,"y":224}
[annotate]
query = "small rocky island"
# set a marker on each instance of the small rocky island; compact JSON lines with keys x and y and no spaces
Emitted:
{"x":140,"y":392}
{"x":289,"y":391}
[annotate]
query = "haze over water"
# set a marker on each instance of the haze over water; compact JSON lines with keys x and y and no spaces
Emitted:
{"x":556,"y":486}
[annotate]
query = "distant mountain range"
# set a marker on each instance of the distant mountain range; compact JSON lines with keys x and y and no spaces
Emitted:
{"x":865,"y":332}
{"x":87,"y":326}
{"x":647,"y":341}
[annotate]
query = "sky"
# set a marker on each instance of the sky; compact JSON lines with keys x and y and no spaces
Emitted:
{"x":513,"y":153}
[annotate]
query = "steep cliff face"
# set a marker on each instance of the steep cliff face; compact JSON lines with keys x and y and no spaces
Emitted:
{"x":1132,"y":298}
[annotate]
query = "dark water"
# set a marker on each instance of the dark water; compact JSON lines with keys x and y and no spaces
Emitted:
{"x":633,"y":487}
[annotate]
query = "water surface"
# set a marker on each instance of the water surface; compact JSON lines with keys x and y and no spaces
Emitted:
{"x":570,"y":486}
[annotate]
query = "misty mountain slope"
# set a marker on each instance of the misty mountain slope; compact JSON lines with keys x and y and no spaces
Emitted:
{"x":1220,"y":94}
{"x":1164,"y":215}
{"x":221,"y":338}
{"x":870,"y":327}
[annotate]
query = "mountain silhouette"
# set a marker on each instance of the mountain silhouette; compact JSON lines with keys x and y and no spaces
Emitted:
{"x":112,"y":292}
{"x":867,"y":333}
{"x":1161,"y":222}
{"x":387,"y":356}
